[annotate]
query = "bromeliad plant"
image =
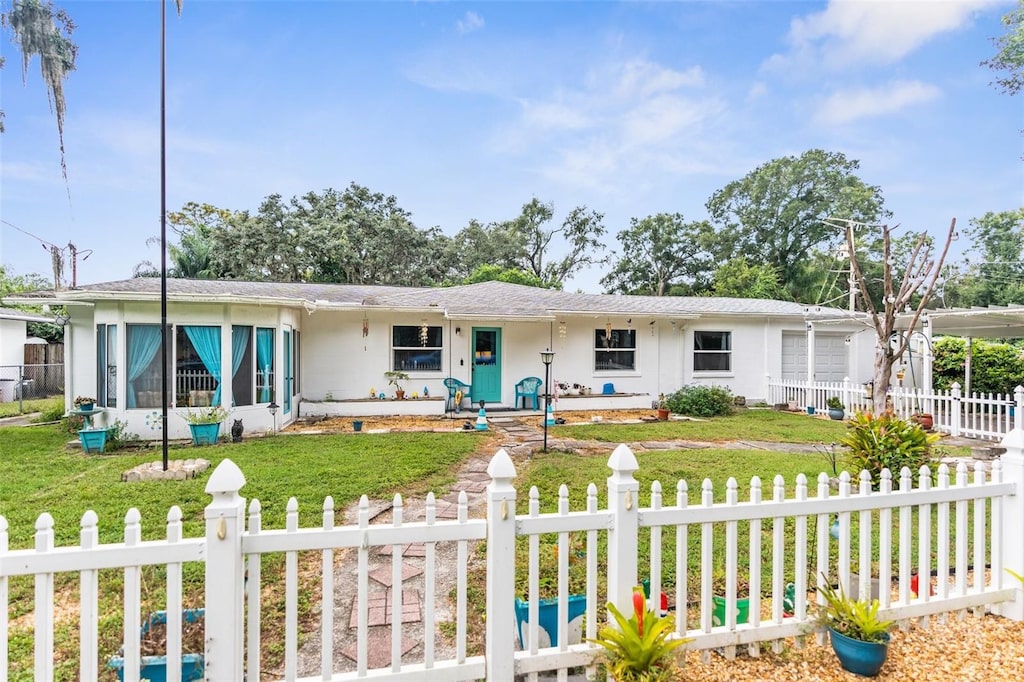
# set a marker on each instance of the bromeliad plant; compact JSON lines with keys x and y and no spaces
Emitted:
{"x":857,"y":619}
{"x":886,"y":442}
{"x":639,"y":649}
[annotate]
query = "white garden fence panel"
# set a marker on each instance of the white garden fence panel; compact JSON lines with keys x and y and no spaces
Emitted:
{"x":966,"y":520}
{"x":986,"y":416}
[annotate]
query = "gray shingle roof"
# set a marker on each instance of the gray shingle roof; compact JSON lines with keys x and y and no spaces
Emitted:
{"x":498,"y":299}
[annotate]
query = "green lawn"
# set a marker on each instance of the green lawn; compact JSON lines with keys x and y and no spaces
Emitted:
{"x":764,"y":425}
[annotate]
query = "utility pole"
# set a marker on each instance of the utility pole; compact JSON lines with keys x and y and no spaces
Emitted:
{"x":852,"y":283}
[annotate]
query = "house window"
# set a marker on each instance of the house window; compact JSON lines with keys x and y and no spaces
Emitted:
{"x":142,"y":348}
{"x":265,"y":390}
{"x":106,"y":365}
{"x":242,"y":366}
{"x":615,"y":350}
{"x":197,"y":369}
{"x":414,"y":351}
{"x":712,"y":351}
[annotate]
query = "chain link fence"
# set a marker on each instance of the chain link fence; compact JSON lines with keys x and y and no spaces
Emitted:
{"x":29,"y":382}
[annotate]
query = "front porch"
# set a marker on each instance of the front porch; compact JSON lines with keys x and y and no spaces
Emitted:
{"x":366,"y":407}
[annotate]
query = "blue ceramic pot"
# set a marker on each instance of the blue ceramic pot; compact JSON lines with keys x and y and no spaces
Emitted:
{"x":861,"y":658}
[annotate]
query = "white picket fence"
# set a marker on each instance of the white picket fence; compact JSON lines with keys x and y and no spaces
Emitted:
{"x":967,"y":520}
{"x":986,"y":416}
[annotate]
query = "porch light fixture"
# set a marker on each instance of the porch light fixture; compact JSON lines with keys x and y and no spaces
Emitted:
{"x":61,"y":319}
{"x":458,"y":331}
{"x":546,"y":356}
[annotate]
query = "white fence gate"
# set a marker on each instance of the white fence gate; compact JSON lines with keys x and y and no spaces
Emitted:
{"x":966,"y":519}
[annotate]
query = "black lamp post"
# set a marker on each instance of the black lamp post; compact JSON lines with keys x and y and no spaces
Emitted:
{"x":546,"y":356}
{"x":273,"y":412}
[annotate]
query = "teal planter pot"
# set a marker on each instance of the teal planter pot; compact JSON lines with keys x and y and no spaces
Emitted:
{"x":204,"y":434}
{"x":93,"y":440}
{"x":547,"y":617}
{"x":154,"y":668}
{"x":858,"y":657}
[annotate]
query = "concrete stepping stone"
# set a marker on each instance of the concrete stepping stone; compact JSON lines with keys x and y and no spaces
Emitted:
{"x":378,"y":648}
{"x":383,"y":574}
{"x":379,"y":609}
{"x":476,"y":476}
{"x":471,"y":486}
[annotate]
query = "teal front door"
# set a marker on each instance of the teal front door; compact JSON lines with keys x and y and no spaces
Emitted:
{"x":486,"y":364}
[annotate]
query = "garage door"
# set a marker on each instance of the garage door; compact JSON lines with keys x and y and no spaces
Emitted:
{"x":830,"y":357}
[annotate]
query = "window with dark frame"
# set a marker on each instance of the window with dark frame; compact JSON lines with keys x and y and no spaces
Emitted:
{"x":614,"y":350}
{"x":712,"y":351}
{"x":412,"y":351}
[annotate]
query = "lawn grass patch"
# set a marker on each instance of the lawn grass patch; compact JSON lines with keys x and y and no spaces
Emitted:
{"x":41,"y":474}
{"x":755,"y":425}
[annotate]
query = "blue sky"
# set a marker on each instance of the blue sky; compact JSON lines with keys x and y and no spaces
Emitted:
{"x":468,"y":110}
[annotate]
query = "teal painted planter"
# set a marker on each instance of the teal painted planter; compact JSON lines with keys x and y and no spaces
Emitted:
{"x":860,"y":658}
{"x":204,"y":434}
{"x":154,"y":668}
{"x":93,"y":440}
{"x":547,"y":617}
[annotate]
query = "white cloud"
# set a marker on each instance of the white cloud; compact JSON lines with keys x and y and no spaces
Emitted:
{"x":871,"y":31}
{"x":469,"y":23}
{"x":845,"y":106}
{"x":757,"y":91}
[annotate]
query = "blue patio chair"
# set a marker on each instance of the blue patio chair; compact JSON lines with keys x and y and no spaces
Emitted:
{"x":527,"y":388}
{"x":454,"y":385}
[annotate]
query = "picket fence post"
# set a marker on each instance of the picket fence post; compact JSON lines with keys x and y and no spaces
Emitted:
{"x":623,"y":503}
{"x":955,"y":410}
{"x":1013,"y":517}
{"x":501,"y":568}
{"x":225,"y":575}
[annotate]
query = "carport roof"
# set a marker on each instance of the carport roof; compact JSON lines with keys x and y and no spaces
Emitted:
{"x":979,"y":322}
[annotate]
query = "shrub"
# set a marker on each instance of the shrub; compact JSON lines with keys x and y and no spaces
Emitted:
{"x":51,"y":413}
{"x":118,"y":436}
{"x":702,"y":401}
{"x":886,"y":442}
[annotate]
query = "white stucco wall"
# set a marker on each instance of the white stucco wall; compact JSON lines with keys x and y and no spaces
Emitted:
{"x":12,"y":341}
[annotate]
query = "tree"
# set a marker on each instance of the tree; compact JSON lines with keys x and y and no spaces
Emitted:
{"x":496,"y":273}
{"x":660,"y":252}
{"x":1009,"y":59}
{"x":997,"y":240}
{"x":41,"y":30}
{"x":917,"y":283}
{"x":774,"y":215}
{"x":582,"y":229}
{"x":16,"y":284}
{"x":739,"y":279}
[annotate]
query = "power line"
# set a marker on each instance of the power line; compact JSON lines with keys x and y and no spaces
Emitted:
{"x":57,"y":256}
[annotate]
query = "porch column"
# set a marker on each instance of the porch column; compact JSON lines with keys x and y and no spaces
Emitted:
{"x":808,"y":398}
{"x":927,"y":385}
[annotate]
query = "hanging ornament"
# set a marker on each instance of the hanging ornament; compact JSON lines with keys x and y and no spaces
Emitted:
{"x":366,"y":327}
{"x":608,"y":329}
{"x":561,"y":330}
{"x":424,"y":333}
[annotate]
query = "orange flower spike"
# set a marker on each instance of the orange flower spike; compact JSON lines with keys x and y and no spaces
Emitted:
{"x":638,"y":608}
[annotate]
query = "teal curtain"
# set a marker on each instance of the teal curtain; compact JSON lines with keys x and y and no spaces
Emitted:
{"x":206,"y":341}
{"x":265,"y":358}
{"x":239,"y":343}
{"x":143,"y":343}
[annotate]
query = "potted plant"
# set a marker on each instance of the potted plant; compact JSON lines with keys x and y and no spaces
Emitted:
{"x":639,"y":648}
{"x":923,"y":419}
{"x":395,"y":378}
{"x":859,"y":637}
{"x":204,"y":423}
{"x":835,"y":408}
{"x":663,"y":410}
{"x":84,"y":403}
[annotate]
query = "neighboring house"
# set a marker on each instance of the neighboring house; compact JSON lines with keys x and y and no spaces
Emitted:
{"x":323,"y":347}
{"x":13,"y":335}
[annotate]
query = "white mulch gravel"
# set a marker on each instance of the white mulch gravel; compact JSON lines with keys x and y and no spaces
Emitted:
{"x":989,"y":648}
